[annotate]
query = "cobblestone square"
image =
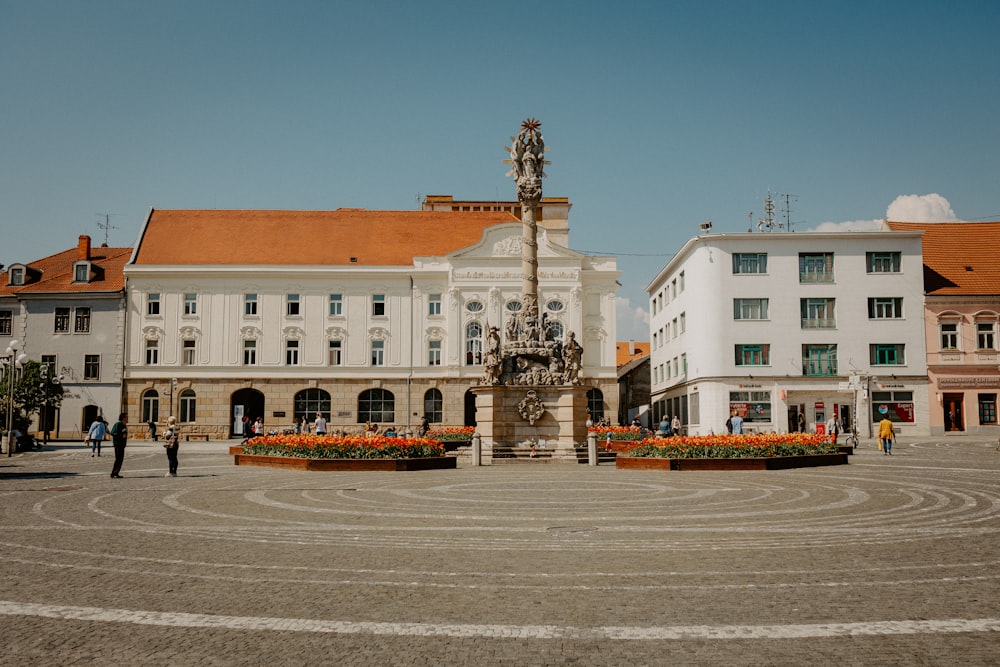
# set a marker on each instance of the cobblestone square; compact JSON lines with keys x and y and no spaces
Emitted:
{"x":889,"y":560}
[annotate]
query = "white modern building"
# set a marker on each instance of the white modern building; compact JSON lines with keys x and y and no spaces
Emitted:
{"x":359,"y":315}
{"x":778,"y":325}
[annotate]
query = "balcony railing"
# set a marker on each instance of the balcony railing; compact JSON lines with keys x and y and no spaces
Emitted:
{"x":819,"y":323}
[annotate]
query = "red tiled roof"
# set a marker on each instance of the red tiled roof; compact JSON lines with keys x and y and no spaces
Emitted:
{"x":57,"y":273}
{"x":309,"y":238}
{"x":623,"y":357}
{"x":960,"y":258}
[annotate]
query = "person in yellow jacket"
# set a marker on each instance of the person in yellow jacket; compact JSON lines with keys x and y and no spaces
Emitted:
{"x":886,"y":434}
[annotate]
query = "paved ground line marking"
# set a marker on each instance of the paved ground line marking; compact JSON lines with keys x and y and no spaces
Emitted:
{"x":794,"y":631}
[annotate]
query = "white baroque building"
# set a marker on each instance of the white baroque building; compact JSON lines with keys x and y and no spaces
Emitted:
{"x":359,"y":315}
{"x":774,"y":325}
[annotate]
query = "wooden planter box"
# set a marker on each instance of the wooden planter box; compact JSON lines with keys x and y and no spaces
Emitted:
{"x":353,"y":465}
{"x":775,"y":463}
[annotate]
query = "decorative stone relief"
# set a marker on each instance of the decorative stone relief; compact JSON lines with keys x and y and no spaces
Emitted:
{"x":531,"y":407}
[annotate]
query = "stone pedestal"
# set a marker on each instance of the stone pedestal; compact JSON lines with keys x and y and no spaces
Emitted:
{"x":560,"y":429}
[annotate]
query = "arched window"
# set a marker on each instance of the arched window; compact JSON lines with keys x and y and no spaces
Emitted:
{"x":310,"y":401}
{"x":187,"y":404}
{"x":433,"y":405}
{"x":595,"y":404}
{"x":473,"y":344}
{"x":376,"y":405}
{"x":150,"y":406}
{"x":555,"y":330}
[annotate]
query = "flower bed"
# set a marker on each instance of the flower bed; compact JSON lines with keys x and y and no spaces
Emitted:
{"x":343,"y":447}
{"x":757,"y":445}
{"x":618,"y":433}
{"x":451,"y":433}
{"x":765,"y":451}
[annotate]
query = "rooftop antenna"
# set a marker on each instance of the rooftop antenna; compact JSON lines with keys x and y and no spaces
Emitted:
{"x":750,"y":221}
{"x":106,"y":225}
{"x":787,"y":209}
{"x":767,"y":223}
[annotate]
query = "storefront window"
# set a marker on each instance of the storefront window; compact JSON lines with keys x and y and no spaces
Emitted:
{"x":896,"y":405}
{"x":752,"y":406}
{"x":987,"y":408}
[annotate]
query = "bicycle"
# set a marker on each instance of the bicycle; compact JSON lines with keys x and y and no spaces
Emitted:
{"x":852,"y":437}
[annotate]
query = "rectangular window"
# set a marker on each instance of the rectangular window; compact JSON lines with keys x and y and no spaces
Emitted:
{"x":886,"y":354}
{"x":153,"y":304}
{"x":949,"y":335}
{"x":684,"y":364}
{"x":152,"y":352}
{"x":750,"y":262}
{"x":434,"y":305}
{"x":883,"y":262}
{"x":81,"y":273}
{"x":750,"y":309}
{"x":752,"y":406}
{"x":682,"y":281}
{"x":190,"y":304}
{"x":291,"y":353}
{"x":336,"y":305}
{"x":6,"y":322}
{"x":250,"y":304}
{"x":188,"y":352}
{"x":378,"y":305}
{"x":815,"y":267}
{"x":378,"y":353}
{"x":753,"y":355}
{"x":987,"y":408}
{"x":49,"y":360}
{"x":683,"y":322}
{"x":92,"y":367}
{"x":676,"y":329}
{"x":17,"y":276}
{"x":336,"y":352}
{"x":885,"y":307}
{"x":434,"y":353}
{"x":819,"y":360}
{"x":817,"y":313}
{"x":293,"y":305}
{"x":62,"y":320}
{"x":897,"y":406}
{"x":986,"y":335}
{"x":249,"y":353}
{"x":81,"y":323}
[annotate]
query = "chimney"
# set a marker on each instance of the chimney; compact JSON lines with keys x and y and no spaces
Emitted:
{"x":631,"y":348}
{"x":83,"y":249}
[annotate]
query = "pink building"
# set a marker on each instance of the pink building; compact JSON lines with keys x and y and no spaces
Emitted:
{"x":961,"y":320}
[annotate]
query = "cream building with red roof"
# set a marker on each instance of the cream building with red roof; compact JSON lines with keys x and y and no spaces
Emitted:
{"x":357,"y":314}
{"x":67,"y":311}
{"x":961,"y":320}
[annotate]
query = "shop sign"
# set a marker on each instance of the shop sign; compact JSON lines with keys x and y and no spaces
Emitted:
{"x":972,"y":382}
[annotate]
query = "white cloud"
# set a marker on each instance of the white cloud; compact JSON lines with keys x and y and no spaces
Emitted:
{"x":850,"y":226}
{"x":633,"y":321}
{"x":920,"y":208}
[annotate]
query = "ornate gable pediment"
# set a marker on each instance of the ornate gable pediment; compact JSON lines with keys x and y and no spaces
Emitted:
{"x":506,"y":241}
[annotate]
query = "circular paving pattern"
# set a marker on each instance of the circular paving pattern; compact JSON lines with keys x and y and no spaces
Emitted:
{"x":888,"y":546}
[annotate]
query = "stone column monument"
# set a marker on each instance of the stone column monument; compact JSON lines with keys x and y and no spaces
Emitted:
{"x":530,"y":398}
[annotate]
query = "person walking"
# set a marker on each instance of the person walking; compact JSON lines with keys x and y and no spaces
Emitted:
{"x":833,"y":429}
{"x":152,"y":429}
{"x":425,"y":426}
{"x":119,"y":438}
{"x":171,"y":442}
{"x":319,"y":426}
{"x":886,"y":435}
{"x":802,"y":423}
{"x":96,"y":435}
{"x":675,"y":425}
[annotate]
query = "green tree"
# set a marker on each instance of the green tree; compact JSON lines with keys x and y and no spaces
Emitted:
{"x":31,"y":392}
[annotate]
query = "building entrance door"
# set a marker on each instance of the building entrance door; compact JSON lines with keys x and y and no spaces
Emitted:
{"x":954,"y":420}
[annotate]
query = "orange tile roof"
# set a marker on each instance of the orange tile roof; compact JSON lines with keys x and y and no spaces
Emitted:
{"x":309,"y":238}
{"x":622,"y":355}
{"x":57,"y":273}
{"x":960,"y":258}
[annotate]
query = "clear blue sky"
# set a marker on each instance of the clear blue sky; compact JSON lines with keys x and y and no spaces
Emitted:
{"x":659,"y":114}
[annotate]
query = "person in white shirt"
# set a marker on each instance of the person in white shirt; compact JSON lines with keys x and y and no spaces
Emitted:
{"x":319,"y":426}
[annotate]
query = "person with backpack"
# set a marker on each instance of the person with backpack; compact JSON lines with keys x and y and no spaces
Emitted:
{"x":119,"y":438}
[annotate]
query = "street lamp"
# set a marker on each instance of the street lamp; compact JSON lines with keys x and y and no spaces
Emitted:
{"x":173,"y":386}
{"x":13,"y":363}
